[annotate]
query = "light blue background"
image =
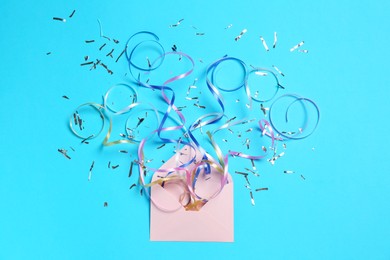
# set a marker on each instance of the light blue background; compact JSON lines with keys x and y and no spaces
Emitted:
{"x":49,"y":210}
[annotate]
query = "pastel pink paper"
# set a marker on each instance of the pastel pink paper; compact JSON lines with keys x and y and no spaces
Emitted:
{"x":214,"y":222}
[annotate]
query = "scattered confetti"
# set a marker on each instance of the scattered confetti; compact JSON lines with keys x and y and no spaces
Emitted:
{"x":114,"y":166}
{"x":288,"y":172}
{"x":90,"y":170}
{"x":275,"y":40}
{"x":303,"y":177}
{"x":297,"y":46}
{"x":132,"y":186}
{"x":59,"y":19}
{"x":252,"y":199}
{"x":264,"y":43}
{"x":89,"y":41}
{"x":304,"y":51}
{"x":260,"y":189}
{"x":240,"y":35}
{"x":64,"y":153}
{"x":105,"y":204}
{"x":71,"y":15}
{"x":278,"y":70}
{"x":65,"y":97}
{"x":177,"y":24}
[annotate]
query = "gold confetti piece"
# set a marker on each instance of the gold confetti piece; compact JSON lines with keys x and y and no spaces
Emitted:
{"x":252,"y":199}
{"x":59,"y":19}
{"x":297,"y":46}
{"x":275,"y":40}
{"x":278,"y":70}
{"x":260,"y":189}
{"x":240,"y":35}
{"x":264,"y":43}
{"x":288,"y":171}
{"x":90,"y":171}
{"x":177,"y":24}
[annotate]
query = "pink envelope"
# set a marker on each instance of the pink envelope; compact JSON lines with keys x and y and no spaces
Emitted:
{"x":213,"y":222}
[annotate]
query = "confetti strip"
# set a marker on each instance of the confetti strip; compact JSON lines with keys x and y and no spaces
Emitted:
{"x":297,"y":46}
{"x":59,"y":19}
{"x":240,"y":35}
{"x":264,"y":43}
{"x":275,"y":40}
{"x":278,"y":70}
{"x":90,"y":171}
{"x":64,"y":153}
{"x":71,"y":15}
{"x":177,"y":24}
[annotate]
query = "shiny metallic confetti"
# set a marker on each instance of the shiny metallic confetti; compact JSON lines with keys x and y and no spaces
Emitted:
{"x":303,"y":177}
{"x":86,"y":58}
{"x":253,"y":172}
{"x":297,"y":46}
{"x":48,"y":53}
{"x":131,"y":169}
{"x":264,"y":148}
{"x":115,"y":166}
{"x":240,"y":35}
{"x":66,"y":97}
{"x":89,"y":41}
{"x":177,"y":24}
{"x":259,"y":73}
{"x":101,"y":47}
{"x":59,"y":19}
{"x":115,"y":41}
{"x":264,"y":43}
{"x":260,"y":189}
{"x":71,"y":15}
{"x":161,"y":146}
{"x":275,"y":40}
{"x":278,"y":70}
{"x":90,"y":170}
{"x":132,"y":186}
{"x":252,"y":199}
{"x":86,"y":63}
{"x":200,"y":34}
{"x":304,"y":51}
{"x":288,"y":171}
{"x":110,"y":53}
{"x":109,"y":164}
{"x":64,"y":153}
{"x":264,"y":109}
{"x":105,"y":204}
{"x":120,"y":55}
{"x":123,"y":151}
{"x":253,"y":163}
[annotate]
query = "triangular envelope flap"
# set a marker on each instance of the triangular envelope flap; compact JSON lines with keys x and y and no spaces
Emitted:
{"x":214,"y":222}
